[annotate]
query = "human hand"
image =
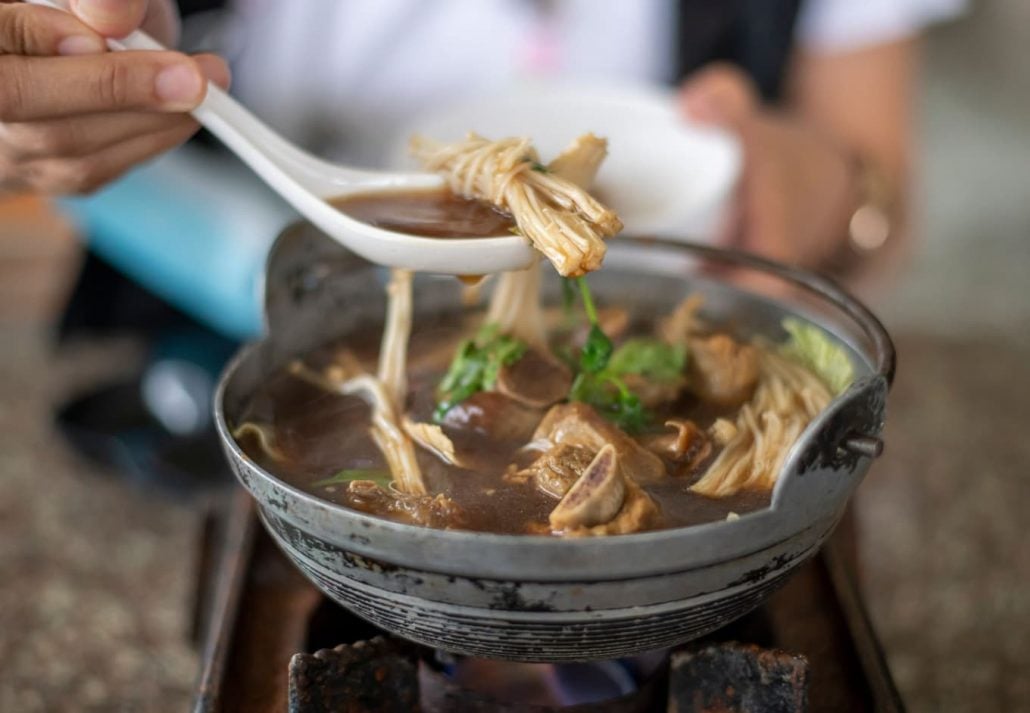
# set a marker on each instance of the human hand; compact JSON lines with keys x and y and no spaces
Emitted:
{"x":798,"y":188}
{"x":74,"y":116}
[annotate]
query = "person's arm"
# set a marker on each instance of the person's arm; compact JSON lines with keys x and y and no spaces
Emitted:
{"x":846,"y":117}
{"x":74,"y":116}
{"x":863,"y":98}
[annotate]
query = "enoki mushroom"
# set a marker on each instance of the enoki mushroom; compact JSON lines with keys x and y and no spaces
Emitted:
{"x":515,"y":305}
{"x":787,"y":398}
{"x":559,"y":217}
{"x":386,"y":392}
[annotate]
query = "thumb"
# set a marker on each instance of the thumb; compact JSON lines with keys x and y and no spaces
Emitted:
{"x":720,"y":93}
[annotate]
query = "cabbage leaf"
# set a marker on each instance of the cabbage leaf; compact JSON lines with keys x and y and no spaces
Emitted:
{"x":814,"y":348}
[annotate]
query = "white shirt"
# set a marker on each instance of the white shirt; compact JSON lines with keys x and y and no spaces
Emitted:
{"x":322,"y":69}
{"x":840,"y":25}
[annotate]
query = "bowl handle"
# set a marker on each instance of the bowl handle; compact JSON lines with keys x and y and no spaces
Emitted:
{"x":835,"y":450}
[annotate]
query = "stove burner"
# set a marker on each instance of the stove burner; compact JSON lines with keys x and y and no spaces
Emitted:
{"x":385,"y":675}
{"x":451,"y":683}
{"x":595,"y":681}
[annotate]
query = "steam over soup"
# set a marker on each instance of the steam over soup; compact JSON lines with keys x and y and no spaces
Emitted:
{"x":578,"y":419}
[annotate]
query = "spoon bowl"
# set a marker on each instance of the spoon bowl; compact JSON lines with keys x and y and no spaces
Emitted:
{"x":308,"y":183}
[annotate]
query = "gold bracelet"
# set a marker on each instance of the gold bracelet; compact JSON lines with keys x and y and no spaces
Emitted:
{"x":872,"y":222}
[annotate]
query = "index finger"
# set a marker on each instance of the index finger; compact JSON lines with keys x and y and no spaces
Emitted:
{"x":35,"y":30}
{"x":49,"y":87}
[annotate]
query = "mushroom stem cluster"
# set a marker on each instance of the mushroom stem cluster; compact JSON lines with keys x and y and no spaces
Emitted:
{"x":560,"y":218}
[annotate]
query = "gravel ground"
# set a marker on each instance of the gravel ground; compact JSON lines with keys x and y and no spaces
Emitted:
{"x":942,"y":537}
{"x":97,"y":579}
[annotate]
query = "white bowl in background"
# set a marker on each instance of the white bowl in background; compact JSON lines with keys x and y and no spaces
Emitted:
{"x":664,"y":175}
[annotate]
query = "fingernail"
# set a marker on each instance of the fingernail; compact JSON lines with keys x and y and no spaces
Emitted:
{"x":81,"y":44}
{"x":179,"y":86}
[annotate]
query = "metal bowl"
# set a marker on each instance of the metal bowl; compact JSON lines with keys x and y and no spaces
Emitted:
{"x":538,"y":598}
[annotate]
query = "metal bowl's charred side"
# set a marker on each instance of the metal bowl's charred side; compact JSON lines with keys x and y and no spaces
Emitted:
{"x":514,"y":622}
{"x":540,"y":598}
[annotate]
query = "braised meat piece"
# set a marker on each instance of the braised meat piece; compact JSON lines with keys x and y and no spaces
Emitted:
{"x":686,"y":443}
{"x":535,"y":380}
{"x":430,"y":511}
{"x":638,"y":512}
{"x":578,"y":424}
{"x":595,"y":498}
{"x":489,"y":416}
{"x":555,"y":471}
{"x":654,"y":392}
{"x":722,"y":370}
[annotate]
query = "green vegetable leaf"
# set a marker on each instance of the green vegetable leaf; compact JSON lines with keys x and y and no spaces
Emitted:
{"x":630,"y":414}
{"x":588,"y":300}
{"x":651,"y":358}
{"x":597,"y":350}
{"x":612,"y":399}
{"x":381,"y":478}
{"x":539,"y":167}
{"x":598,"y":382}
{"x":814,"y":348}
{"x":568,"y":295}
{"x":476,"y":366}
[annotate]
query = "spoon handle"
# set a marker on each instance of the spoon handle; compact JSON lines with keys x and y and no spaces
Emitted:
{"x":234,"y":125}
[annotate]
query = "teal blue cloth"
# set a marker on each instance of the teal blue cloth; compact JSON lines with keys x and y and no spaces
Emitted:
{"x":194,"y":230}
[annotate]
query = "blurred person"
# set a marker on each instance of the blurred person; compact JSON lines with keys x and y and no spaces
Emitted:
{"x":819,"y":91}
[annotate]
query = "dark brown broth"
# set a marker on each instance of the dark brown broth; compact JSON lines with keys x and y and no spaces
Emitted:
{"x":322,"y":434}
{"x":431,"y":214}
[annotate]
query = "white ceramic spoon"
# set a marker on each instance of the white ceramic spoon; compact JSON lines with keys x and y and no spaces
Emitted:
{"x":306,"y":182}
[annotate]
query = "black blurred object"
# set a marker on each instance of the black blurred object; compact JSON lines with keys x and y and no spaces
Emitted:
{"x":192,"y":7}
{"x":755,"y":35}
{"x":112,"y":427}
{"x":104,"y":302}
{"x":153,"y":425}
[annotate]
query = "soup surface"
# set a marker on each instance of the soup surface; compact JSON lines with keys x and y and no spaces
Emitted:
{"x":322,"y":442}
{"x":432,"y":214}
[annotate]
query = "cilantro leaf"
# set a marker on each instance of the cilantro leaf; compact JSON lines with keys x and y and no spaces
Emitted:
{"x":612,"y":399}
{"x":596,"y":352}
{"x":476,"y":366}
{"x":649,"y":357}
{"x":568,"y":295}
{"x":588,"y":300}
{"x":597,"y":383}
{"x":381,"y":478}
